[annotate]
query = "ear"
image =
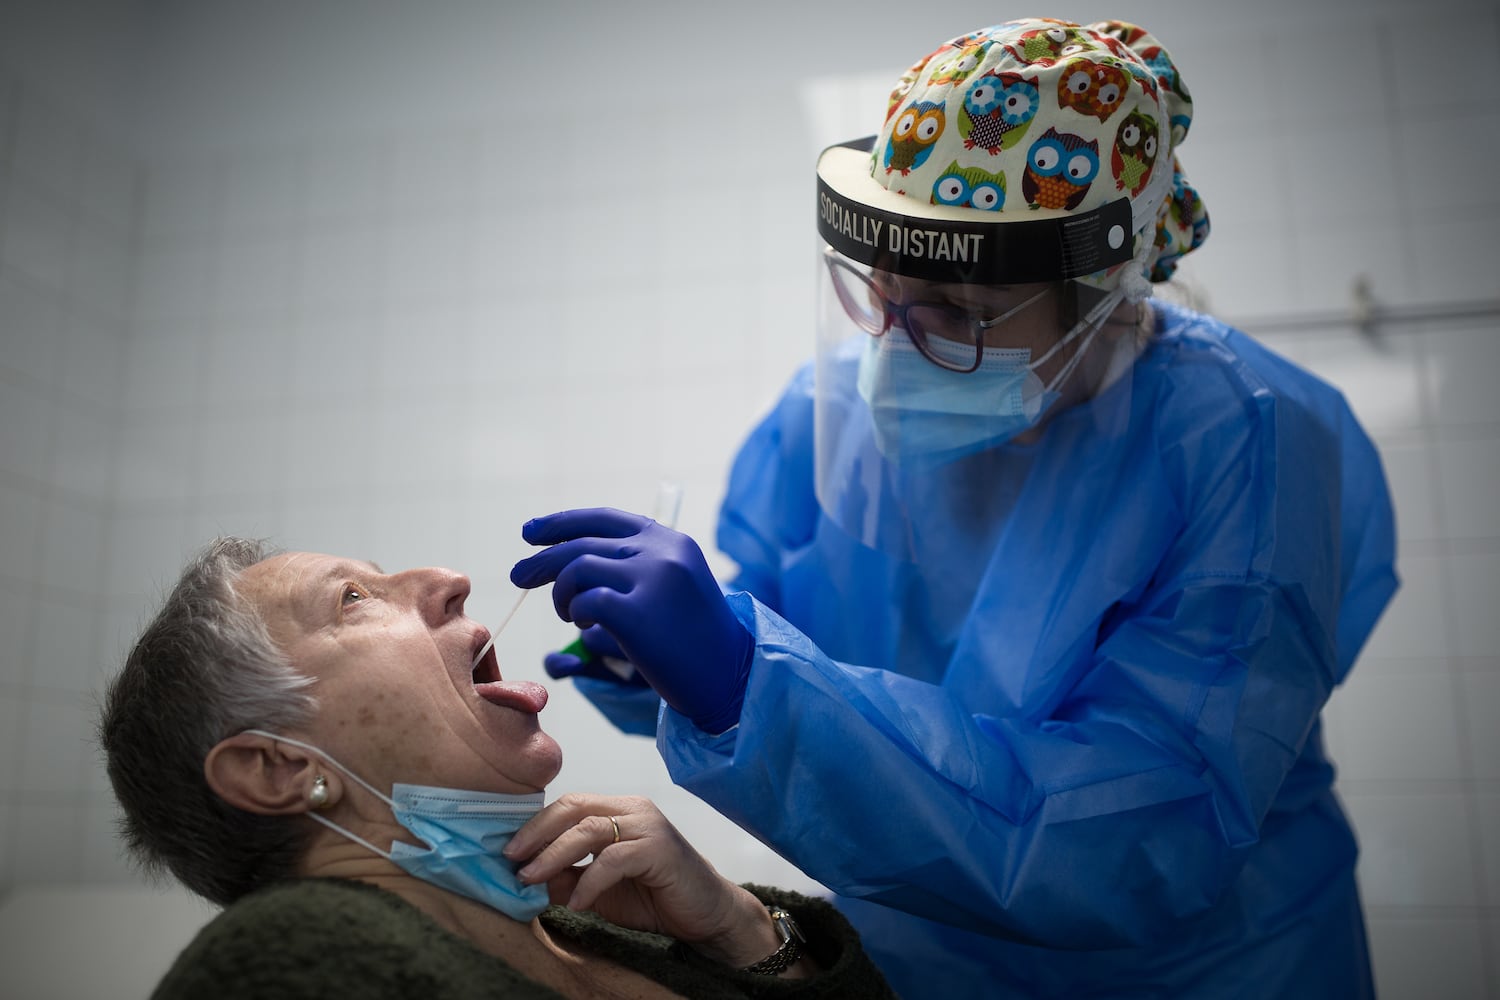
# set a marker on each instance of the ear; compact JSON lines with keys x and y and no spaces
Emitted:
{"x":263,"y":775}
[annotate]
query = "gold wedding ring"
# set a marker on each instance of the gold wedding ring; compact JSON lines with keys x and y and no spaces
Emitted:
{"x":617,"y":829}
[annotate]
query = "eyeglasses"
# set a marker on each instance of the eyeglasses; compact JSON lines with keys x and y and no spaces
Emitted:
{"x":947,"y":335}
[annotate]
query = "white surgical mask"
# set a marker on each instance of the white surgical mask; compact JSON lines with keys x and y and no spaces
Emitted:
{"x":464,"y":832}
{"x":922,"y":410}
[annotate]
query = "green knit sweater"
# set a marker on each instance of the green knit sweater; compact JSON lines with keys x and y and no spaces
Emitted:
{"x":327,"y":938}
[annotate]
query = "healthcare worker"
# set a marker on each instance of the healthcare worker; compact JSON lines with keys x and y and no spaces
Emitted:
{"x":1042,"y":584}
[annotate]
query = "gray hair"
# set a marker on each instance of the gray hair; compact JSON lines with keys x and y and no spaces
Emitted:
{"x":204,"y":669}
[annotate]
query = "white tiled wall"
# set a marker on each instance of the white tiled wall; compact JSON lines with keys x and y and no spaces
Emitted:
{"x":67,"y":226}
{"x":400,"y":335}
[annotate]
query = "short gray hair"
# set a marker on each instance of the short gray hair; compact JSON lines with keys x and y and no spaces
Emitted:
{"x":204,"y":669}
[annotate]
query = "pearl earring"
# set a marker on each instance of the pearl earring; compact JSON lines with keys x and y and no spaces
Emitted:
{"x":319,"y":794}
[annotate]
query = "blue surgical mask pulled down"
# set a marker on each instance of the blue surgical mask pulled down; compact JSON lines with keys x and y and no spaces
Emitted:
{"x":464,"y":832}
{"x":921,"y":410}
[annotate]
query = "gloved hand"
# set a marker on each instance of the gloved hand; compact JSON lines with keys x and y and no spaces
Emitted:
{"x":593,"y":654}
{"x":651,"y":589}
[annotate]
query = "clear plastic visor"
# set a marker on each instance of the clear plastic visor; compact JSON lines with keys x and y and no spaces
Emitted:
{"x":950,"y":325}
{"x":929,"y":397}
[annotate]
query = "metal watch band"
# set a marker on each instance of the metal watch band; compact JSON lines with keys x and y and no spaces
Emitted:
{"x":791,"y":945}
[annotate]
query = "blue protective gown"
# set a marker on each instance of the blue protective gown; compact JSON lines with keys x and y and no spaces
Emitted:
{"x":1104,"y":776}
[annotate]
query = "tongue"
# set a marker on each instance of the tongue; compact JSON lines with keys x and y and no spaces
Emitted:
{"x":523,"y":696}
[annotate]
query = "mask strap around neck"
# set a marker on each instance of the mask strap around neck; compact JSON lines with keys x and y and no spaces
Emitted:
{"x":347,"y":773}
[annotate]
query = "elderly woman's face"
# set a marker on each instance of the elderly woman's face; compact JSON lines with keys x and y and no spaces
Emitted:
{"x":391,"y":656}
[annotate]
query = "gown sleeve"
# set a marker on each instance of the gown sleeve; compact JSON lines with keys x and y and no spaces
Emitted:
{"x":1129,"y":801}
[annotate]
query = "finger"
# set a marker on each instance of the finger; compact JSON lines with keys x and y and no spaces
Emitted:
{"x":590,"y":837}
{"x":560,"y":887}
{"x":607,"y":608}
{"x":600,"y":642}
{"x":533,"y":571}
{"x":590,"y":572}
{"x":560,"y":815}
{"x":605,"y":522}
{"x":563,"y":665}
{"x":615,"y":669}
{"x":619,"y":863}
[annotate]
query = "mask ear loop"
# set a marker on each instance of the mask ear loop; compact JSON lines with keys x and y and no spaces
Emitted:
{"x":985,"y":324}
{"x":348,"y":773}
{"x":1093,"y":321}
{"x":1135,"y":279}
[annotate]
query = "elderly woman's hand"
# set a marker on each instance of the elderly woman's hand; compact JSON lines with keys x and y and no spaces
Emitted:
{"x":644,"y":876}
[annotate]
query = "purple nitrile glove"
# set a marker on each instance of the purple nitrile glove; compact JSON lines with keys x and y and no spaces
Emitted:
{"x":651,"y":589}
{"x":593,"y":654}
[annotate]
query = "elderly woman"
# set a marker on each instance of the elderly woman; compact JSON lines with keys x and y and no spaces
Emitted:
{"x":309,"y":742}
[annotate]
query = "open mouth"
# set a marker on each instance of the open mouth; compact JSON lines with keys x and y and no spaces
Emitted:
{"x":523,"y":696}
{"x":486,"y":665}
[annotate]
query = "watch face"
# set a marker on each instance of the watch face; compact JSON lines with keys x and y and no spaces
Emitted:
{"x":786,"y":926}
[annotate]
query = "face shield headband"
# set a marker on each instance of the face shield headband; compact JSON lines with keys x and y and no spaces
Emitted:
{"x":962,"y":251}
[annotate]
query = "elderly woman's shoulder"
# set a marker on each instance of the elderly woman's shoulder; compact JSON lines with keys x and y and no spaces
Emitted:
{"x":332,"y":937}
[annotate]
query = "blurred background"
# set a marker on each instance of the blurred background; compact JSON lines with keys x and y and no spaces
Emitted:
{"x":386,"y":279}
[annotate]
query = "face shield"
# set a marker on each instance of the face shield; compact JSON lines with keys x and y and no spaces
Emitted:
{"x":945,"y":347}
{"x":973,"y":260}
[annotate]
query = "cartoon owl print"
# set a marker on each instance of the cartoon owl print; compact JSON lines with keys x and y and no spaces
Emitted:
{"x":997,"y":110}
{"x":1059,"y":169}
{"x":958,"y":67}
{"x":1092,"y":88}
{"x":969,"y":187}
{"x":1186,"y":209}
{"x":1166,"y":73}
{"x":1116,"y":47}
{"x":1045,"y":46}
{"x":979,"y":35}
{"x":916,"y":129}
{"x":1127,"y":34}
{"x":904,"y":85}
{"x":1142,"y":76}
{"x":1134,"y":153}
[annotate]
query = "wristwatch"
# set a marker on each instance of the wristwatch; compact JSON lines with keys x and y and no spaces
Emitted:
{"x":791,"y":945}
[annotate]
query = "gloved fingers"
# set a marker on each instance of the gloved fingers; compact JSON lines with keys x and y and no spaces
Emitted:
{"x":563,"y":665}
{"x":604,"y":607}
{"x":560,"y":666}
{"x":599,"y":642}
{"x":590,"y":572}
{"x":533,"y":571}
{"x":605,"y":522}
{"x":595,"y":655}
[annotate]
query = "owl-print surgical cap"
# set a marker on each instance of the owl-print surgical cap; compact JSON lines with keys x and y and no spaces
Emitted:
{"x":1070,"y":130}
